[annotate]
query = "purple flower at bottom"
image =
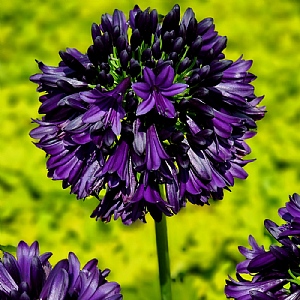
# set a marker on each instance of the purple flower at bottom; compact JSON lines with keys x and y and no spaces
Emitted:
{"x":31,"y":277}
{"x":275,"y":274}
{"x":243,"y":290}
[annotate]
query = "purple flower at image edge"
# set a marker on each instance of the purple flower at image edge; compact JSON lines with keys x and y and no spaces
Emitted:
{"x":274,"y":274}
{"x":150,"y":117}
{"x":30,"y":276}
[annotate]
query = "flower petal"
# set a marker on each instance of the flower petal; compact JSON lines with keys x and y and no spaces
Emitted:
{"x":59,"y":286}
{"x":165,"y":78}
{"x":146,"y":105}
{"x":174,"y":89}
{"x":142,"y":89}
{"x":164,"y":106}
{"x":149,"y":76}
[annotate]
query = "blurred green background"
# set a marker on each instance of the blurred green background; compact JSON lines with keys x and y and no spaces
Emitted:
{"x":202,"y":240}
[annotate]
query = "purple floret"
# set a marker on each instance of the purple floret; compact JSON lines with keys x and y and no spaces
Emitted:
{"x":30,"y":276}
{"x":274,"y":272}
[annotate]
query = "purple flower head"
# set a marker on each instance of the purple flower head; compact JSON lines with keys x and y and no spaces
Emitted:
{"x":275,"y":273}
{"x":151,"y":116}
{"x":31,"y":277}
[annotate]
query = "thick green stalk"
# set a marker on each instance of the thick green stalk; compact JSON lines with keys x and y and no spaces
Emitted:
{"x":163,"y":258}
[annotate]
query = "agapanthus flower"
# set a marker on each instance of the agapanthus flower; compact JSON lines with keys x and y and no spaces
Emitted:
{"x":31,"y":277}
{"x":275,"y":273}
{"x":150,"y":117}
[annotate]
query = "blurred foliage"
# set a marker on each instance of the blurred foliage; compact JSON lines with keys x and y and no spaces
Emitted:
{"x":202,"y":240}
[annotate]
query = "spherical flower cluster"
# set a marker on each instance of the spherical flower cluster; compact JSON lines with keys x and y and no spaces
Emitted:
{"x":31,"y":277}
{"x":154,"y":117}
{"x":275,"y":273}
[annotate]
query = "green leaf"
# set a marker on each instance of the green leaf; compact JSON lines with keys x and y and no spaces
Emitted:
{"x":8,"y":248}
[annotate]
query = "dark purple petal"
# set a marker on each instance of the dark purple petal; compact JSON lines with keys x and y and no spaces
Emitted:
{"x":139,"y":143}
{"x":165,"y":78}
{"x":142,"y":89}
{"x":109,"y":291}
{"x":152,"y":195}
{"x":117,"y":163}
{"x":188,"y":14}
{"x":132,"y":14}
{"x":7,"y":282}
{"x":146,"y":105}
{"x":37,"y":276}
{"x":164,"y":106}
{"x":59,"y":286}
{"x":149,"y":76}
{"x":24,"y":256}
{"x":11,"y":265}
{"x":74,"y":270}
{"x":241,"y":290}
{"x":154,"y":150}
{"x":200,"y":165}
{"x":119,"y":19}
{"x":173,"y":90}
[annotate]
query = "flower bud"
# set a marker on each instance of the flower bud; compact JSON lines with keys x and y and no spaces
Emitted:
{"x":173,"y":56}
{"x":146,"y":55}
{"x":177,"y":137}
{"x":219,"y":66}
{"x":120,"y":43}
{"x":116,"y":34}
{"x":204,"y":71}
{"x":178,"y":44}
{"x":134,"y":68}
{"x":99,"y":49}
{"x":204,"y":25}
{"x":131,"y":101}
{"x":110,"y":79}
{"x":171,"y":20}
{"x":95,"y":31}
{"x":153,"y":20}
{"x":184,"y":65}
{"x":135,"y":39}
{"x":194,"y":79}
{"x":91,"y":73}
{"x":203,"y":108}
{"x":105,"y":67}
{"x":167,"y":41}
{"x":124,"y":59}
{"x":102,"y":78}
{"x":201,"y":92}
{"x":106,"y":24}
{"x":107,"y":42}
{"x":182,"y":31}
{"x":196,"y":46}
{"x":92,"y":55}
{"x":156,"y":52}
{"x":220,"y":45}
{"x":191,"y":31}
{"x":71,"y":62}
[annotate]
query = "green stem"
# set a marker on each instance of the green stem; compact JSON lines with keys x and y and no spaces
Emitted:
{"x":163,"y":258}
